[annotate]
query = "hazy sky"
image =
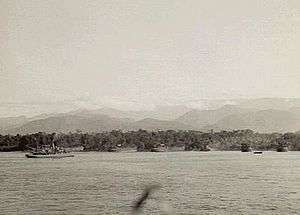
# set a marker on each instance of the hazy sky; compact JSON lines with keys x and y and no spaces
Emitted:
{"x":150,"y":52}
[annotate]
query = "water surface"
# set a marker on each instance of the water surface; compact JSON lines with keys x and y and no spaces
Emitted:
{"x":192,"y":183}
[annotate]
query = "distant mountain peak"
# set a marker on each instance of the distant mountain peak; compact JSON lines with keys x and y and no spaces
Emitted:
{"x":258,"y":114}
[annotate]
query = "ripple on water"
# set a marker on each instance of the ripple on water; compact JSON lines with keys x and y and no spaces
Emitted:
{"x":192,"y":183}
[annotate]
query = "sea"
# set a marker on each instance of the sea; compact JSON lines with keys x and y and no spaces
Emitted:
{"x":188,"y":183}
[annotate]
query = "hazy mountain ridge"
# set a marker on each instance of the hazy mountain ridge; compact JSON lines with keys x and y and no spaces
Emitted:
{"x":262,"y":121}
{"x":200,"y":118}
{"x":94,"y":123}
{"x":154,"y":124}
{"x":227,"y":117}
{"x":12,"y":122}
{"x":72,"y":123}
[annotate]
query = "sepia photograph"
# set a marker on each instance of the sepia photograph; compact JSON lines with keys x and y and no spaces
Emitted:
{"x":167,"y":107}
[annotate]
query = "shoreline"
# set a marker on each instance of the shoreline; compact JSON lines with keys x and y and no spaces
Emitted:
{"x":167,"y":151}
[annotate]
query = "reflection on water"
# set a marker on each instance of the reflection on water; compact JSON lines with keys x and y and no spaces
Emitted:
{"x":192,"y":183}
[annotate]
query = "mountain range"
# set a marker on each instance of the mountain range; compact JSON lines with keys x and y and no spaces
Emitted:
{"x":263,"y":116}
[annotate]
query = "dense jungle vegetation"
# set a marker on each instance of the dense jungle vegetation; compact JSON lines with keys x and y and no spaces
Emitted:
{"x":143,"y":140}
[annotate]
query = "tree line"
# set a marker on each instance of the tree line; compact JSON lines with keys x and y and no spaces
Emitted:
{"x":143,"y":140}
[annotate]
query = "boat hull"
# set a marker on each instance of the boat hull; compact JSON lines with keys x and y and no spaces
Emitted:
{"x":257,"y":152}
{"x":49,"y":156}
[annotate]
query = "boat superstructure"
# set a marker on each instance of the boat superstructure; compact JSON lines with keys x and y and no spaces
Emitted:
{"x":46,"y":151}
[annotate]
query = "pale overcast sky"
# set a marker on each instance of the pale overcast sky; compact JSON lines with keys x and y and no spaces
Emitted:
{"x":151,"y":52}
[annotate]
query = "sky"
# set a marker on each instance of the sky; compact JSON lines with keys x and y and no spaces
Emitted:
{"x":60,"y":54}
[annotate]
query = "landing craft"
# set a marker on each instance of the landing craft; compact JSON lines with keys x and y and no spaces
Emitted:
{"x":58,"y":155}
{"x":52,"y":152}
